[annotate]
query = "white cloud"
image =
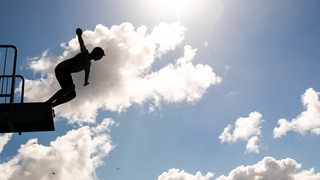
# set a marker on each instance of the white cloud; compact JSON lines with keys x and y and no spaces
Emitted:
{"x":4,"y":139}
{"x":176,"y":174}
{"x":167,"y":36}
{"x":308,"y":120}
{"x":307,"y":174}
{"x":75,"y":155}
{"x":246,"y":129}
{"x":125,"y":75}
{"x":270,"y":169}
{"x":252,"y":145}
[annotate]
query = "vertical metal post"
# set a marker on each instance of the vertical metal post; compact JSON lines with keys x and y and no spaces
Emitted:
{"x":3,"y":85}
{"x":13,"y":82}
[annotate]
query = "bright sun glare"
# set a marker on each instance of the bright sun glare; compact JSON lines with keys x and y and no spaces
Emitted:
{"x":182,"y":9}
{"x":174,"y":8}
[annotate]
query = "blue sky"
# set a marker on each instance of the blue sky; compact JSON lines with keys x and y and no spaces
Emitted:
{"x":188,"y":89}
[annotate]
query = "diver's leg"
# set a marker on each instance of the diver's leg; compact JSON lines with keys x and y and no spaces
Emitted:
{"x":55,"y":96}
{"x":59,"y":94}
{"x":65,"y":80}
{"x":65,"y":98}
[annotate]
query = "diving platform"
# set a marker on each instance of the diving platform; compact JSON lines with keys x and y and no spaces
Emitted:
{"x":16,"y":116}
{"x":26,"y":117}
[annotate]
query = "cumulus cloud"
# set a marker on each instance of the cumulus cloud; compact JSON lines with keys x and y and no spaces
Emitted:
{"x":75,"y":155}
{"x":176,"y":174}
{"x":245,"y":129}
{"x":269,"y":169}
{"x":125,"y":76}
{"x":307,"y":121}
{"x":307,"y":174}
{"x":4,"y":139}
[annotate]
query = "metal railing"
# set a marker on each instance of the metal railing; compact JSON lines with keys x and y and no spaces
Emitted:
{"x":8,"y":63}
{"x":5,"y":94}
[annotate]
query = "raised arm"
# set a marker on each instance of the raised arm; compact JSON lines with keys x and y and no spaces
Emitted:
{"x":83,"y":48}
{"x":87,"y":73}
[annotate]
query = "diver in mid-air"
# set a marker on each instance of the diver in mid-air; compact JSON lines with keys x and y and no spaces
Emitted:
{"x":63,"y":70}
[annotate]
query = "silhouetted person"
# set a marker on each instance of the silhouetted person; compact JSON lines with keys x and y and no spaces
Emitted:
{"x":63,"y":70}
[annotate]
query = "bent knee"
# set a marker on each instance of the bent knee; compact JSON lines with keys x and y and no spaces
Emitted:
{"x":69,"y":89}
{"x":73,"y":94}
